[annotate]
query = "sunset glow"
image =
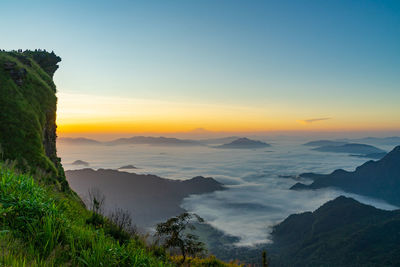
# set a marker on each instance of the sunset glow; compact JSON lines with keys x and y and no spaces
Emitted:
{"x":79,"y":113}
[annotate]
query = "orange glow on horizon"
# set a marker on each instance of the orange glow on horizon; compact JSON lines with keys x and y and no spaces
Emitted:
{"x":100,"y":114}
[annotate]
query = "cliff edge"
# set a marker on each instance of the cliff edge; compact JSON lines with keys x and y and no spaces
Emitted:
{"x":28,"y":105}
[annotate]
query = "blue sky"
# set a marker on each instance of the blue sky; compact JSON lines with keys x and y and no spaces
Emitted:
{"x":297,"y":59}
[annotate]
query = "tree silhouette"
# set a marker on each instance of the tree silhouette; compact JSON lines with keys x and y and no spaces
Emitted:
{"x":264,"y":259}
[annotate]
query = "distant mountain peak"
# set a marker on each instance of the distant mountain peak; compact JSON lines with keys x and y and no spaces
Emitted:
{"x":244,"y":143}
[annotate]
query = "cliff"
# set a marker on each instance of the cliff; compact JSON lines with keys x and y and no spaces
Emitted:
{"x":28,"y":113}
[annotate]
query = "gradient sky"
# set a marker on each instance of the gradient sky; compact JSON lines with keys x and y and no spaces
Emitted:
{"x":169,"y":66}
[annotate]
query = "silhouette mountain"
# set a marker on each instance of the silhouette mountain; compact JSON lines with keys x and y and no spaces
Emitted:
{"x":244,"y":143}
{"x":148,"y":198}
{"x":324,"y":143}
{"x":148,"y":140}
{"x":342,"y":232}
{"x":371,"y":155}
{"x":80,"y":162}
{"x":78,"y":141}
{"x":218,"y":141}
{"x":391,"y":141}
{"x":350,"y":148}
{"x":378,"y":179}
{"x":126,"y":167}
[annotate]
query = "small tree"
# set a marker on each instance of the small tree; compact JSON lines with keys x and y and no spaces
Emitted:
{"x":96,"y":200}
{"x":120,"y":225}
{"x":175,"y":236}
{"x":123,"y":221}
{"x":264,"y":259}
{"x":95,"y":204}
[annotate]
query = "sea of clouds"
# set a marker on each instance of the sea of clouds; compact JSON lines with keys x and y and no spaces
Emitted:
{"x":256,"y":197}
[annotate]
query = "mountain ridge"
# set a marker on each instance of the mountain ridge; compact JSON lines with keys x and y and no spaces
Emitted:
{"x":333,"y":234}
{"x":378,"y":179}
{"x":244,"y":143}
{"x":148,"y":197}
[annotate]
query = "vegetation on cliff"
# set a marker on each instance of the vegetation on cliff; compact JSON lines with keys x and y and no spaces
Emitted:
{"x":28,"y":113}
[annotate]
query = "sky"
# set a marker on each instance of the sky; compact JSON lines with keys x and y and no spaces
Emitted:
{"x":224,"y":66}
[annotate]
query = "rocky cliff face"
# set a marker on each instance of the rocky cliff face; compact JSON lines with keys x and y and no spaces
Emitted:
{"x":28,"y":107}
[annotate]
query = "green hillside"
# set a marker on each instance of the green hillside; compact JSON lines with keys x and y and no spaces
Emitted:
{"x":46,"y":228}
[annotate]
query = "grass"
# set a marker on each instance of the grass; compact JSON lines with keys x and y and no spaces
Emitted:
{"x":41,"y":227}
{"x":210,"y":261}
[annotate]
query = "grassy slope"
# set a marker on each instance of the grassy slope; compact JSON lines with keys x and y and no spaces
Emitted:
{"x":43,"y":227}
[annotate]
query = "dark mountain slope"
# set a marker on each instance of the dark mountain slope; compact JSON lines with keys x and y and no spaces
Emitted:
{"x":350,"y":148}
{"x":244,"y":143}
{"x":378,"y":179}
{"x":149,"y":198}
{"x":324,"y":143}
{"x":342,"y":232}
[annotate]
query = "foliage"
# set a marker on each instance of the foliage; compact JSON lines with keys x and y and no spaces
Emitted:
{"x":118,"y":224}
{"x":121,"y":226}
{"x":264,"y":259}
{"x":27,"y":115}
{"x":96,"y":200}
{"x":210,"y":261}
{"x":175,"y":236}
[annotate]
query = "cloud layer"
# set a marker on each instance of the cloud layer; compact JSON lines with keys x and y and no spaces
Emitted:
{"x":256,"y":198}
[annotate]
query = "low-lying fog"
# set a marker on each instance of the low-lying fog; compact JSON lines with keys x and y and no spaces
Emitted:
{"x":256,"y":198}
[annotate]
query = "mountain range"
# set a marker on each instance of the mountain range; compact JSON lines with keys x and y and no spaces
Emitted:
{"x":350,"y":148}
{"x":389,"y":141}
{"x":149,"y":198}
{"x":324,"y":143}
{"x":148,"y":140}
{"x":378,"y":179}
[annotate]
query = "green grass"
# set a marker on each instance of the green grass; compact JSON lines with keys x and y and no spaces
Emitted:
{"x":41,"y":227}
